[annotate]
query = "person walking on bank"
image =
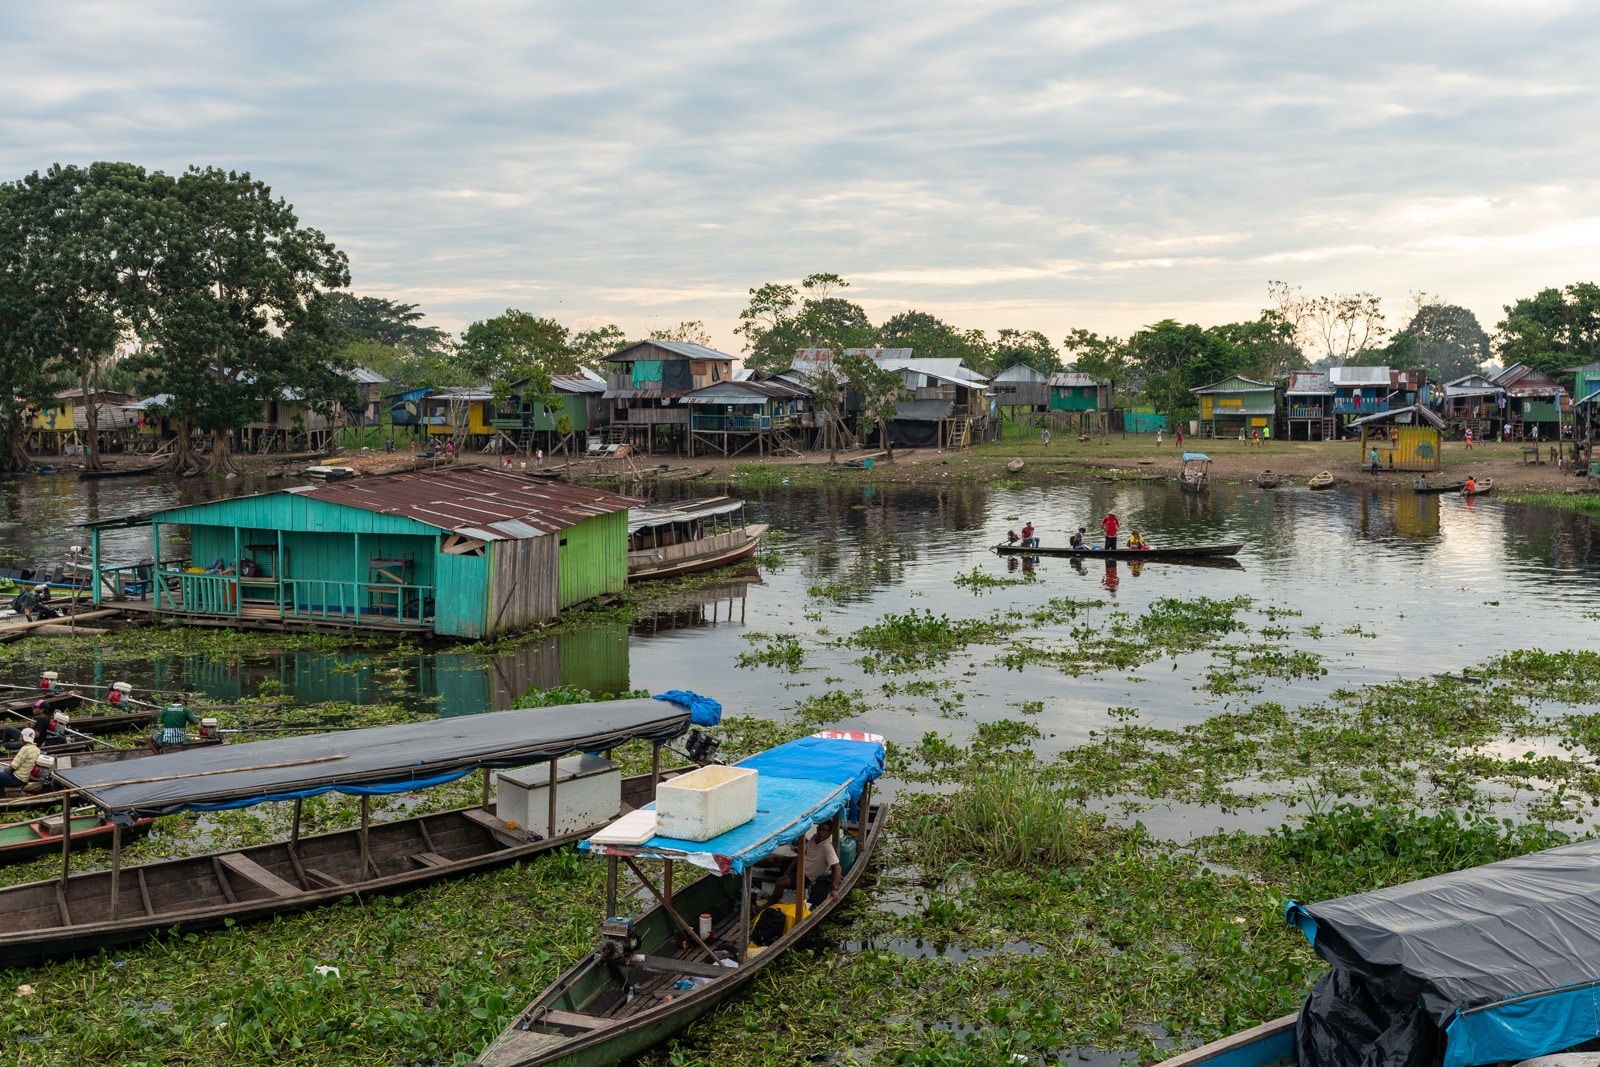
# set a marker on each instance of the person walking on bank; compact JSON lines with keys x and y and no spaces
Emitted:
{"x":1110,"y":525}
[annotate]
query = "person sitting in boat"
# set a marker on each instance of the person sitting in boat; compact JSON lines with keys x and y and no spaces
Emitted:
{"x":1077,"y":542}
{"x":19,"y":771}
{"x":1137,"y":542}
{"x":172,"y":724}
{"x":1028,"y":538}
{"x":46,"y":723}
{"x":821,"y":858}
{"x":1422,"y":481}
{"x":1011,"y":537}
{"x":1471,"y":486}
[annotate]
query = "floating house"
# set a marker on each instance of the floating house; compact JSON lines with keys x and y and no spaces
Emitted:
{"x":460,"y":552}
{"x":1406,"y":439}
{"x":1237,"y":406}
{"x":1308,"y":402}
{"x":645,"y":386}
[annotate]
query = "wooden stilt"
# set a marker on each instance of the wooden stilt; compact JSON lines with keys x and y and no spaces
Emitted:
{"x":550,"y":825}
{"x":366,"y":817}
{"x":487,"y":774}
{"x":294,"y":829}
{"x":66,"y":837}
{"x":116,"y":865}
{"x":744,"y":917}
{"x":672,"y":912}
{"x":611,"y":886}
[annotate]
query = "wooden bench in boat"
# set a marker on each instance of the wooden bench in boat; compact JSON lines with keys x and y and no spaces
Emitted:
{"x":501,"y":831}
{"x":572,"y":1019}
{"x":251,"y":871}
{"x":516,"y":1046}
{"x":432,"y":859}
{"x":672,"y":965}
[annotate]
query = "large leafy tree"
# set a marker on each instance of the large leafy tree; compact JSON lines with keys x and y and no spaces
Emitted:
{"x":1333,"y":329}
{"x":781,"y":318}
{"x":930,"y":337}
{"x":1026,"y":347}
{"x":520,"y":347}
{"x":25,"y":378}
{"x":1105,"y":359}
{"x":1445,"y":338}
{"x":1167,"y":356}
{"x":388,"y":322}
{"x":692,"y":332}
{"x":1262,"y":349}
{"x":591,"y":347}
{"x":880,"y":390}
{"x":1554,"y":328}
{"x":233,"y":308}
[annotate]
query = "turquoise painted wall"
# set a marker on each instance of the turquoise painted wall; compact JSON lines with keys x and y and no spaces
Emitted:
{"x":461,"y":596}
{"x":594,"y":558}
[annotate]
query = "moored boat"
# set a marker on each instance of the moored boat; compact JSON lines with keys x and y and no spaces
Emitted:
{"x":1489,"y":965}
{"x":641,"y":985}
{"x":92,"y":909}
{"x":1267,"y":480}
{"x":1195,"y":474}
{"x":1322,"y":480}
{"x":1441,"y":487}
{"x":689,"y":535}
{"x":20,"y":841}
{"x":1482,"y":488}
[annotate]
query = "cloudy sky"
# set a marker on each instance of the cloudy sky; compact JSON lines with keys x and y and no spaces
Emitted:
{"x":1036,"y":165}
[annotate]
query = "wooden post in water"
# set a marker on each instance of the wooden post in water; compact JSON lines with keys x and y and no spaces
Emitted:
{"x":550,"y":826}
{"x":116,"y":864}
{"x":66,"y":837}
{"x":366,"y":814}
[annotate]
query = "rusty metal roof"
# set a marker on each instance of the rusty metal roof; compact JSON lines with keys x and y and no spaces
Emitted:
{"x":1309,"y":382}
{"x":493,"y":505}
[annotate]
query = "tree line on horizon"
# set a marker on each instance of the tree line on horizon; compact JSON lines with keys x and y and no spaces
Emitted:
{"x":204,"y":288}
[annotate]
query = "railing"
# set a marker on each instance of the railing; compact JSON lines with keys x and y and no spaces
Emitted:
{"x":741,"y":423}
{"x":318,"y":598}
{"x":1348,"y":406}
{"x":1303,"y":412}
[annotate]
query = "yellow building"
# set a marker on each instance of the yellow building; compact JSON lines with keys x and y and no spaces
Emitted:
{"x":1405,"y":439}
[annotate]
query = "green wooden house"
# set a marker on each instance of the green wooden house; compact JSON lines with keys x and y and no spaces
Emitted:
{"x":1238,"y":405}
{"x":1074,"y":392}
{"x":460,"y":552}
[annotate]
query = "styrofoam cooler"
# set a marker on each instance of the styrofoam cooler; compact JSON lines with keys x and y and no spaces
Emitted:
{"x":705,"y":802}
{"x":588,"y":793}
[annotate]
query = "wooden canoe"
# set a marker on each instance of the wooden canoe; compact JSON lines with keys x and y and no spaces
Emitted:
{"x":686,"y":557}
{"x":1269,"y":1045}
{"x":1484,"y":488}
{"x":1185,"y":552}
{"x":587,"y":1017}
{"x":84,"y":719}
{"x":1267,"y":480}
{"x":1442,"y":487}
{"x":38,"y":920}
{"x":21,"y":841}
{"x":1323,"y":480}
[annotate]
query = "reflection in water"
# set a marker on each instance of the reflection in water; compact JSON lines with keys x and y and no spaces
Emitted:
{"x":1111,"y":579}
{"x":719,"y":603}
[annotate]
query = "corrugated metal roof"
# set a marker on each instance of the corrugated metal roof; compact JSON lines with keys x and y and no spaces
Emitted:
{"x":576,"y":383}
{"x":363,"y":376}
{"x":1348,"y":377}
{"x":492,"y":504}
{"x":1071,"y":379}
{"x":1400,"y":415}
{"x":681,"y":348}
{"x":1021,"y":372}
{"x":1309,"y":383}
{"x":1520,"y":380}
{"x":650,"y":393}
{"x":1247,"y":385}
{"x":744,"y":392}
{"x":682,"y":511}
{"x":1471,"y":385}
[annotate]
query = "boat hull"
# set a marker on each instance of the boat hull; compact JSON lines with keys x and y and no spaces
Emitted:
{"x":248,"y":884}
{"x":628,"y":1036}
{"x":1451,"y":487}
{"x":691,"y":556}
{"x":23,"y":841}
{"x":1191,"y":552}
{"x":1269,"y":1045}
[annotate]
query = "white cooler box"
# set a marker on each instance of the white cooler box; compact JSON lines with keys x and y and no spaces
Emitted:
{"x":705,"y":802}
{"x":588,"y":793}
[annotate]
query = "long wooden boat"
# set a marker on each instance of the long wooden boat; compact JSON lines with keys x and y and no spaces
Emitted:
{"x":88,"y":910}
{"x":1484,"y":488}
{"x":120,"y":472}
{"x":87,"y":716}
{"x":30,"y":838}
{"x":1443,"y":970}
{"x":641,"y":985}
{"x":1179,"y":553}
{"x":1442,"y":487}
{"x":688,"y":536}
{"x":48,"y":791}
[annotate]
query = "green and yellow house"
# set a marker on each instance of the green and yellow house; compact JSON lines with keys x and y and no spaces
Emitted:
{"x":1237,"y":406}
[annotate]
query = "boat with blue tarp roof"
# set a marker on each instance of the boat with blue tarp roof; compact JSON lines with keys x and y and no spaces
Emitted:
{"x":699,"y":945}
{"x":1498,"y":964}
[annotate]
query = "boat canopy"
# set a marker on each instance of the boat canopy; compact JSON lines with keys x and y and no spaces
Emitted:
{"x":683,"y":511}
{"x":1496,"y":963}
{"x":798,"y":785}
{"x":381,"y":759}
{"x":1196,"y":457}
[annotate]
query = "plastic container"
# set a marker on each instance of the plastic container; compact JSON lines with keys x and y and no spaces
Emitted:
{"x":705,"y":802}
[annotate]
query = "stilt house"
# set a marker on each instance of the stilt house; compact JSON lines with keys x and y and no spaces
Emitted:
{"x":645,"y":387}
{"x":1237,"y":406}
{"x":1308,"y":400}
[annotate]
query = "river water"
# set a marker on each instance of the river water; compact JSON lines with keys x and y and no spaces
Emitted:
{"x":1388,"y":583}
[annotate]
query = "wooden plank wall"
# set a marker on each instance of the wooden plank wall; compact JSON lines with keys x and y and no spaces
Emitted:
{"x":524,"y":584}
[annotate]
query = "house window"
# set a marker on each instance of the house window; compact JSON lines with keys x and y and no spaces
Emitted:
{"x":716,"y":372}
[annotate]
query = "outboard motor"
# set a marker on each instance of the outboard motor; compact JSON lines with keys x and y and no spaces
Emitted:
{"x":618,"y":940}
{"x":119,"y":692}
{"x":43,"y":774}
{"x":208,"y":728}
{"x":47,"y":679}
{"x":58,"y":722}
{"x":701,"y":747}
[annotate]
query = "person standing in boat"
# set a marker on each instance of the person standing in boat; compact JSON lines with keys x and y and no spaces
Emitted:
{"x":19,"y":771}
{"x":1110,"y":525}
{"x":172,"y":724}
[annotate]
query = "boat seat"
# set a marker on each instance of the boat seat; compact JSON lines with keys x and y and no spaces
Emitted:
{"x":502,"y":833}
{"x":326,"y":880}
{"x":573,"y":1019}
{"x":431,"y":859}
{"x":251,"y":871}
{"x":672,"y":965}
{"x":517,"y":1046}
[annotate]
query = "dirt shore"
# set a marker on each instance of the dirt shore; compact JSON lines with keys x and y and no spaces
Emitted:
{"x":1118,"y":456}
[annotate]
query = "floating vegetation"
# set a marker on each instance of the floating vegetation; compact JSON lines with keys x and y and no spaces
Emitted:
{"x":923,"y":639}
{"x":783,"y":651}
{"x":979,"y":580}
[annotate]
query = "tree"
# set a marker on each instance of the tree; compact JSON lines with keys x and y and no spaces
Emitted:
{"x":767,"y":324}
{"x":1337,"y":328}
{"x":1105,"y":359}
{"x":232,"y":306}
{"x":1445,"y":338}
{"x":1264,"y":349}
{"x":778,"y":320}
{"x":931,"y":338}
{"x":391,"y":324}
{"x":1162,"y":354}
{"x":591,"y":347}
{"x":880,"y":391}
{"x":520,"y":347}
{"x":1553,"y":329}
{"x":687,"y":332}
{"x":1022,"y":347}
{"x":23,"y":365}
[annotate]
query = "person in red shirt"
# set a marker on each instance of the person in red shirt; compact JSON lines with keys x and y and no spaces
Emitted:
{"x":1110,"y":525}
{"x":1028,"y":539}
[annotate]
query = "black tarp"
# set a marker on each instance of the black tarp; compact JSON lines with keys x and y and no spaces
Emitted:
{"x":1441,"y":957}
{"x":676,"y":376}
{"x":411,"y":752}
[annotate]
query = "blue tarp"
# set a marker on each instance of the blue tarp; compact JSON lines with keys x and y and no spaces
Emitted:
{"x":798,"y":785}
{"x":1188,"y":456}
{"x":703,"y":711}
